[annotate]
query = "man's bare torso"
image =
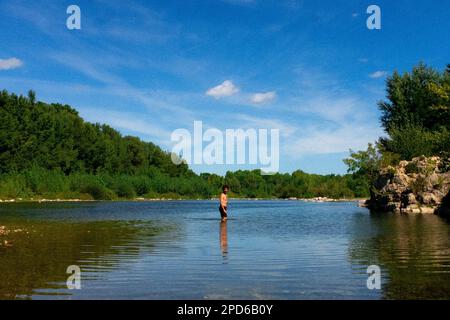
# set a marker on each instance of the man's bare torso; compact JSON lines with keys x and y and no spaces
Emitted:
{"x":223,"y":199}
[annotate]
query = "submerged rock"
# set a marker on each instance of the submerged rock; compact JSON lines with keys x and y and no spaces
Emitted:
{"x":416,"y":186}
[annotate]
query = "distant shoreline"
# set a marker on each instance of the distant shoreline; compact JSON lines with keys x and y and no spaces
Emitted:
{"x":316,"y":199}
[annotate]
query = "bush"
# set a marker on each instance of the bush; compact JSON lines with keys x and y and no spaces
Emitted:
{"x":92,"y":185}
{"x":444,"y":166}
{"x":98,"y":192}
{"x":125,"y":189}
{"x":42,"y":181}
{"x":170,"y":195}
{"x":412,"y":168}
{"x":13,"y":186}
{"x":418,"y":185}
{"x":152,"y":195}
{"x":142,"y":185}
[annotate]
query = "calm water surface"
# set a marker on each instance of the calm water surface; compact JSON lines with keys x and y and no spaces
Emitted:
{"x":180,"y":250}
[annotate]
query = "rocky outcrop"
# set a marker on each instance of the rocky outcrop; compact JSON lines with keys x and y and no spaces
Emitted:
{"x":416,"y":186}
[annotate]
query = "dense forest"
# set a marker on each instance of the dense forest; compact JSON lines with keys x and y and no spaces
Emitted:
{"x":49,"y":151}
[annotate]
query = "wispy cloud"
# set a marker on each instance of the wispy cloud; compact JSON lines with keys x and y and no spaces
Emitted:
{"x":378,"y":74}
{"x":11,"y":63}
{"x":225,"y":89}
{"x":334,"y":119}
{"x":86,"y":67}
{"x":156,"y":104}
{"x":264,"y":97}
{"x":332,"y":108}
{"x":32,"y":13}
{"x":135,"y":123}
{"x":148,"y":25}
{"x":247,"y":121}
{"x":314,"y":140}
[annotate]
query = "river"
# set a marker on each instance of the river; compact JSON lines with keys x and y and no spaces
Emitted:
{"x":181,"y":250}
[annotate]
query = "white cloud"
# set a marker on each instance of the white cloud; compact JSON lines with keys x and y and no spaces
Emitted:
{"x":378,"y":74}
{"x":226,"y":89}
{"x":11,"y":63}
{"x":259,"y":98}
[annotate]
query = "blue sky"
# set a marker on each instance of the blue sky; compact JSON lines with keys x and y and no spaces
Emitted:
{"x":309,"y":68}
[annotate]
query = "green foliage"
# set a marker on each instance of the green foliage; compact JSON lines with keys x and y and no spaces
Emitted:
{"x":412,"y":141}
{"x":141,"y":184}
{"x":417,"y":115}
{"x":48,"y":151}
{"x":411,"y":168}
{"x":418,"y":185}
{"x":53,"y":136}
{"x":13,"y":186}
{"x":41,"y":181}
{"x":125,"y":190}
{"x":365,"y":163}
{"x":416,"y":118}
{"x":92,"y":185}
{"x":420,"y":98}
{"x":444,"y":166}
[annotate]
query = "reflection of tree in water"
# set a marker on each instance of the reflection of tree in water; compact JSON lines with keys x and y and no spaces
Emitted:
{"x":41,"y":252}
{"x":412,"y":249}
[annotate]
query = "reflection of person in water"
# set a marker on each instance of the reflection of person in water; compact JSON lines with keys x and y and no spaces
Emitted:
{"x":223,"y":203}
{"x":223,"y":238}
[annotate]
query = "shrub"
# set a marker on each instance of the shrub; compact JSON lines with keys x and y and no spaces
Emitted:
{"x":418,"y":185}
{"x":98,"y":192}
{"x":41,"y":181}
{"x":444,"y":165}
{"x":152,"y":195}
{"x":13,"y":186}
{"x":141,"y":185}
{"x":124,"y":189}
{"x":92,"y":185}
{"x":170,"y":195}
{"x":412,"y":168}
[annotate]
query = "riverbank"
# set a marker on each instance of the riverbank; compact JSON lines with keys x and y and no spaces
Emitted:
{"x":316,"y":199}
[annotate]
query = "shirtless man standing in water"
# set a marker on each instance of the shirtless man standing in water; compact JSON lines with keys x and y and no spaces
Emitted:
{"x":223,"y":203}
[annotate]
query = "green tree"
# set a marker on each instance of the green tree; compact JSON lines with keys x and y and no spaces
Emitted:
{"x":48,"y":150}
{"x":416,"y":116}
{"x":365,"y":163}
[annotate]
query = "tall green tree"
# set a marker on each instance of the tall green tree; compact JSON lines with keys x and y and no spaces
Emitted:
{"x":416,"y":115}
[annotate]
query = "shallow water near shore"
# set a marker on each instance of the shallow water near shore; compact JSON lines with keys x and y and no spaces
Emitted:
{"x":181,"y":250}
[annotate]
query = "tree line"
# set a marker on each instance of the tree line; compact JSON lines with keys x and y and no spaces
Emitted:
{"x":49,"y":151}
